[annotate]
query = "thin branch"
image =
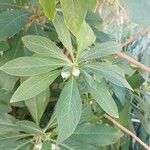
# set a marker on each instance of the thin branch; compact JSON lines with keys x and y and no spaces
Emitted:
{"x":127,"y":131}
{"x":133,"y":61}
{"x":135,"y":37}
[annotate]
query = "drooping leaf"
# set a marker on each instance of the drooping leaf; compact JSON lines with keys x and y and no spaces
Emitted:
{"x":96,"y":135}
{"x":11,"y":22}
{"x":85,"y":37}
{"x":43,"y":46}
{"x":28,"y":127}
{"x":138,"y":11}
{"x":68,"y":110}
{"x":37,"y":105}
{"x":63,"y":34}
{"x":112,"y":73}
{"x":74,"y":14}
{"x":33,"y":86}
{"x":100,"y":50}
{"x":46,"y":145}
{"x":49,"y":7}
{"x":102,"y":96}
{"x":30,"y":66}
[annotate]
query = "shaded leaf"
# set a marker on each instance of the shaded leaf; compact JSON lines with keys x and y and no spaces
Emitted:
{"x":37,"y":105}
{"x":11,"y":22}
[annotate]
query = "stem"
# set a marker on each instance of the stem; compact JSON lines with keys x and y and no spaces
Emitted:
{"x":133,"y":61}
{"x":135,"y":37}
{"x":127,"y":131}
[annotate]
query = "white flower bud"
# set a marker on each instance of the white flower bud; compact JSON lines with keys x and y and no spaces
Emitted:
{"x":38,"y":146}
{"x":65,"y":75}
{"x":75,"y":72}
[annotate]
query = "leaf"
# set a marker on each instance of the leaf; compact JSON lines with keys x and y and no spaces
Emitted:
{"x":132,"y":7}
{"x":11,"y":22}
{"x":7,"y":82}
{"x":71,"y":144}
{"x":112,"y":73}
{"x":43,"y":46}
{"x":37,"y":105}
{"x":5,"y":4}
{"x":6,"y":123}
{"x":92,"y":4}
{"x":102,"y":96}
{"x":68,"y":110}
{"x":100,"y":50}
{"x":63,"y":34}
{"x":74,"y":14}
{"x":33,"y":86}
{"x":4,"y":107}
{"x":96,"y":135}
{"x":12,"y":136}
{"x":46,"y":145}
{"x":15,"y":145}
{"x":30,"y":66}
{"x":85,"y":38}
{"x":28,"y":127}
{"x":3,"y":46}
{"x":49,"y":7}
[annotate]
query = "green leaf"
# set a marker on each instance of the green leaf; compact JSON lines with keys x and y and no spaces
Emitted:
{"x":4,"y":107}
{"x":12,"y":136}
{"x":15,"y":145}
{"x":112,"y":73}
{"x":33,"y":86}
{"x":68,"y":110}
{"x":100,"y":50}
{"x":63,"y":34}
{"x":43,"y":46}
{"x":85,"y":37}
{"x":5,"y":4}
{"x":49,"y":7}
{"x":92,"y":4}
{"x":138,"y":11}
{"x":4,"y":46}
{"x":96,"y":135}
{"x":28,"y":127}
{"x":11,"y":22}
{"x":100,"y":93}
{"x":37,"y":105}
{"x":7,"y":82}
{"x":6,"y":123}
{"x":74,"y":14}
{"x":46,"y":145}
{"x":30,"y":66}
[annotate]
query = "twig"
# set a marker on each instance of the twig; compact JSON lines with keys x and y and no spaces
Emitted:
{"x":127,"y":131}
{"x":133,"y":61}
{"x":135,"y":37}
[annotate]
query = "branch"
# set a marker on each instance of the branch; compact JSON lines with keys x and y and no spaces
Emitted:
{"x":135,"y":37}
{"x":133,"y":61}
{"x":127,"y":131}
